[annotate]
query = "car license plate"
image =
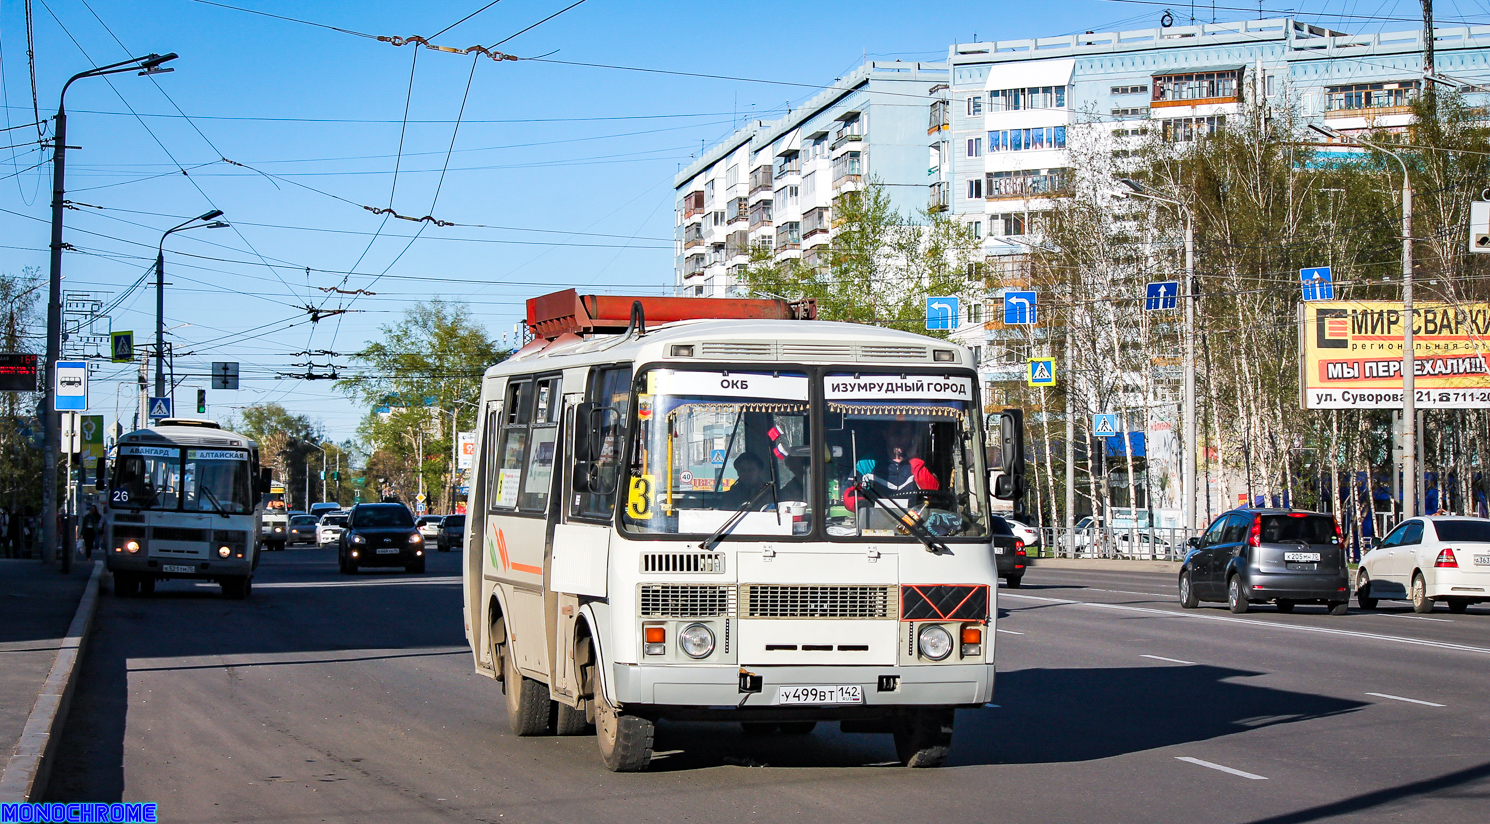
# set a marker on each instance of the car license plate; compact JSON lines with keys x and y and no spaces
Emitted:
{"x":177,"y":568}
{"x":1482,"y":560}
{"x":387,"y":550}
{"x":1301,"y":557}
{"x":841,"y":694}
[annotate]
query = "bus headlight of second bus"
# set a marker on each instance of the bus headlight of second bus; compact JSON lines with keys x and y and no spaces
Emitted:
{"x":934,"y":642}
{"x":223,"y":552}
{"x":696,"y":641}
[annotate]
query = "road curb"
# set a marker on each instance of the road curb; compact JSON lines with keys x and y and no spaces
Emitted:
{"x":25,"y":776}
{"x":1108,"y":564}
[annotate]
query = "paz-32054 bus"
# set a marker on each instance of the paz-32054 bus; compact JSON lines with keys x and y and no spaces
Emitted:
{"x":182,"y":502}
{"x":734,"y":516}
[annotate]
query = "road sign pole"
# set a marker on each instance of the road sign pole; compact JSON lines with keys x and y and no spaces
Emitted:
{"x":1188,"y":458}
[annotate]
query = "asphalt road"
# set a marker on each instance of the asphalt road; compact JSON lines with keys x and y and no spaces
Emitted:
{"x":326,"y":698}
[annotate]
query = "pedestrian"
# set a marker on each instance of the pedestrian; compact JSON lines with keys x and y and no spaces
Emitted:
{"x":89,"y":528}
{"x":5,"y":533}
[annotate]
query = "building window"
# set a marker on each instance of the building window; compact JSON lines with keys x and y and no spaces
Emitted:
{"x":732,"y":176}
{"x":1172,"y":88}
{"x":1136,"y":111}
{"x":1187,"y":129}
{"x":975,"y":189}
{"x":786,"y":198}
{"x":975,"y":147}
{"x":1369,"y":96}
{"x":719,"y":218}
{"x":1003,"y":225}
{"x":1144,"y":89}
{"x":1018,"y":140}
{"x":1034,"y":97}
{"x":788,"y":163}
{"x":975,"y":106}
{"x":975,"y":313}
{"x":977,"y":227}
{"x":709,"y":193}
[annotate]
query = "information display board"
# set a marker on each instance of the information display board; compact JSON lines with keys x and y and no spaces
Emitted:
{"x":1351,"y":355}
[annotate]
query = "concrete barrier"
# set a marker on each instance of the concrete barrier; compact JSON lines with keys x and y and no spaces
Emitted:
{"x":25,"y":776}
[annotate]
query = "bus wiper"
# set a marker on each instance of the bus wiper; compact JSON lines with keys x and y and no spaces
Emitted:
{"x":735,"y":519}
{"x":207,"y":490}
{"x":906,"y":518}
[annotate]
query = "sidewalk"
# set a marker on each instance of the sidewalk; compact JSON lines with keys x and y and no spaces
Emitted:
{"x":38,"y":605}
{"x":1108,"y":565}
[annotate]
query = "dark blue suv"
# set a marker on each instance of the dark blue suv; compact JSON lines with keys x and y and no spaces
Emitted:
{"x":1250,"y":556}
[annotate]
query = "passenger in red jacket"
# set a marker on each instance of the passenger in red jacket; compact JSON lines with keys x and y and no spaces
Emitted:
{"x":903,"y":472}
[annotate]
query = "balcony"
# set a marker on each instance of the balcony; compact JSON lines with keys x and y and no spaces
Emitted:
{"x":736,"y":244}
{"x":693,"y":204}
{"x":941,"y":197}
{"x":940,"y":117}
{"x":737,"y":209}
{"x":693,"y":235}
{"x":845,"y":139}
{"x":761,"y":180}
{"x":815,"y":221}
{"x":789,"y":236}
{"x":693,"y":265}
{"x":760,"y":214}
{"x":788,"y":165}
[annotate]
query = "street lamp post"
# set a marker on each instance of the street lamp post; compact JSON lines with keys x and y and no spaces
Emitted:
{"x":1410,"y":474}
{"x":149,"y":64}
{"x":160,"y":291}
{"x":1188,"y":459}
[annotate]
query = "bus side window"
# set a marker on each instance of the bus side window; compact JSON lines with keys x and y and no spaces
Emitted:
{"x":490,"y":436}
{"x":610,"y":391}
{"x":504,"y":483}
{"x":543,"y":441}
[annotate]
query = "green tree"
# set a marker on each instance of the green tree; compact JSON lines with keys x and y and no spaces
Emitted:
{"x":424,"y":374}
{"x":20,"y":330}
{"x":880,"y":267}
{"x":287,"y":444}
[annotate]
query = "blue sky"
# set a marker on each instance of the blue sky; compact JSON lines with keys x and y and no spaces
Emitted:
{"x":558,"y":175}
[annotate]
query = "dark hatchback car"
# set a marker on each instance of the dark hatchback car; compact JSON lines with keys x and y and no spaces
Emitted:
{"x":380,"y":535}
{"x":1008,"y":551}
{"x":302,"y":529}
{"x":1250,"y":556}
{"x":452,"y":532}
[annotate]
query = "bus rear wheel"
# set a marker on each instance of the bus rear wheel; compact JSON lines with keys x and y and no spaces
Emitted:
{"x":527,"y":699}
{"x":923,"y":737}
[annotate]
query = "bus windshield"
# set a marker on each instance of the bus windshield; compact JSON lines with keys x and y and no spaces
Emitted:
{"x":715,"y":447}
{"x":901,"y":451}
{"x":209,"y":480}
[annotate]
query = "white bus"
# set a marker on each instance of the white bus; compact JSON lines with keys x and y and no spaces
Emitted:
{"x":774,"y":522}
{"x":182,"y":502}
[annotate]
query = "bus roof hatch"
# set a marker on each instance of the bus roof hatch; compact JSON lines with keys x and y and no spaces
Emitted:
{"x":554,"y":314}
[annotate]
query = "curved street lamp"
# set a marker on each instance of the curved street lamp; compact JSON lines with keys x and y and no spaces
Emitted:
{"x":160,"y":291}
{"x":148,"y":64}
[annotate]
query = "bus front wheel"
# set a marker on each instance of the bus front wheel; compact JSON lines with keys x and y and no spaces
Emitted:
{"x":923,"y":737}
{"x":625,"y":740}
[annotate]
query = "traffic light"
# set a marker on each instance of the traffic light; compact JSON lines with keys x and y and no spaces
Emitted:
{"x":201,"y":401}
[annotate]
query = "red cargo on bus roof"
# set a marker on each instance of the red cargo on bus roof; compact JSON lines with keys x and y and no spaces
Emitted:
{"x":554,"y":314}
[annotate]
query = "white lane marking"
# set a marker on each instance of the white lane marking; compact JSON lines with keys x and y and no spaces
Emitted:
{"x":1196,"y":761}
{"x":1129,"y":592}
{"x":1408,"y":700}
{"x":1170,"y":660}
{"x":1415,"y":617}
{"x":1009,"y":631}
{"x":1167,"y":613}
{"x":372,"y":582}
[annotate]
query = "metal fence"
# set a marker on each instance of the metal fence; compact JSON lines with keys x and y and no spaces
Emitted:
{"x":1130,"y":543}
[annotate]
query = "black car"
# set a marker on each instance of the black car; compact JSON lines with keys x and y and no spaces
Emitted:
{"x":1008,"y":551}
{"x":1250,"y":556}
{"x":452,"y":532}
{"x":380,"y":535}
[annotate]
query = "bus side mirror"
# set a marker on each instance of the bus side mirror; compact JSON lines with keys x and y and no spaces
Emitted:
{"x":586,"y":432}
{"x":101,"y":473}
{"x":1009,"y":450}
{"x":266,"y":477}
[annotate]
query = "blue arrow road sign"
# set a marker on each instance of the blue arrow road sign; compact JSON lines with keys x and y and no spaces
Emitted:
{"x":941,"y":313}
{"x":1318,"y":284}
{"x":1019,"y":308}
{"x":1162,"y":295}
{"x":160,"y":407}
{"x":1104,"y":425}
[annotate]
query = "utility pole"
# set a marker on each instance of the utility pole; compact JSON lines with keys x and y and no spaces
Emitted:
{"x":1070,"y":446}
{"x":1428,"y":42}
{"x":1187,"y":460}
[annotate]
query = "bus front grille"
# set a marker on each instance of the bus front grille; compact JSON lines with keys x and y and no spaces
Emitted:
{"x":177,"y":533}
{"x":687,"y":601}
{"x":781,"y":601}
{"x":683,"y":562}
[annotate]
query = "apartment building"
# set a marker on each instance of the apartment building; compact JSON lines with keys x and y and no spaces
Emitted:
{"x":773,"y":184}
{"x":1012,"y":109}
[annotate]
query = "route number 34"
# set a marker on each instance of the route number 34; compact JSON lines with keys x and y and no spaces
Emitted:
{"x":639,"y":502}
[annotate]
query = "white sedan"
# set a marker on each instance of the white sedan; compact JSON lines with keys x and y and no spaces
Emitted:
{"x":1426,"y":560}
{"x":1024,"y":532}
{"x":329,"y":530}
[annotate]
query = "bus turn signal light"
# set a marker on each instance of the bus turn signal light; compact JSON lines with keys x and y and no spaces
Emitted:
{"x":972,"y":635}
{"x":656,"y":640}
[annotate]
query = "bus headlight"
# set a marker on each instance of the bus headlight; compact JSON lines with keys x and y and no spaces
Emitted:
{"x":132,"y":547}
{"x":696,"y":641}
{"x":223,"y":552}
{"x":934,"y":642}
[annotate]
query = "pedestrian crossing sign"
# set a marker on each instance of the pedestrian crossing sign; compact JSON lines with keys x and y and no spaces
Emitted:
{"x":160,"y":407}
{"x":1042,"y":372}
{"x":122,"y":346}
{"x":1105,"y":425}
